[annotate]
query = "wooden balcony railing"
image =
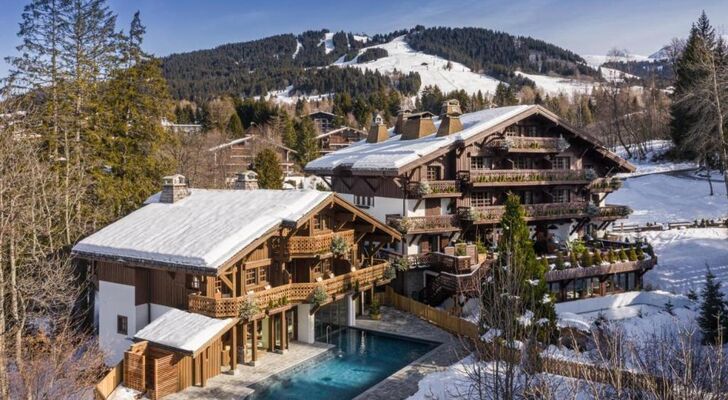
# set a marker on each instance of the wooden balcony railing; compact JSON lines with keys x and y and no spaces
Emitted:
{"x":431,"y":189}
{"x":520,"y":144}
{"x":493,"y":214}
{"x":530,"y":177}
{"x":605,"y":185}
{"x":289,"y":293}
{"x":600,"y":270}
{"x":436,"y":223}
{"x":611,"y":211}
{"x":317,"y":244}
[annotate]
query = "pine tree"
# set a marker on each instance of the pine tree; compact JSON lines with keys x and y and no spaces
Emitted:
{"x":306,"y":143}
{"x":504,"y":95}
{"x":268,"y":168}
{"x":234,"y":126}
{"x":712,"y":319}
{"x":288,"y":131}
{"x":134,"y":147}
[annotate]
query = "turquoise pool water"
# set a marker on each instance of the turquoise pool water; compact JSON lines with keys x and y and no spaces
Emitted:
{"x":360,"y":360}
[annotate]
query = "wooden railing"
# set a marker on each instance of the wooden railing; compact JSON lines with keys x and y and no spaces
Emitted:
{"x":493,"y":214}
{"x":317,"y":244}
{"x":289,"y":293}
{"x":436,"y":223}
{"x":611,"y":211}
{"x":600,"y":270}
{"x":520,"y":144}
{"x":109,"y":382}
{"x":529,"y":176}
{"x":605,"y":185}
{"x":428,"y":189}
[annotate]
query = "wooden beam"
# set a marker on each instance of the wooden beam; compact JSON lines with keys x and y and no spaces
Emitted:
{"x":227,"y":282}
{"x":234,"y":347}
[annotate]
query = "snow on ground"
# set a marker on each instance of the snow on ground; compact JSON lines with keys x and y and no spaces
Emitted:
{"x":328,"y":42}
{"x":596,"y":60}
{"x":457,"y":382}
{"x":432,"y":69}
{"x":124,"y":393}
{"x":286,"y":97}
{"x":648,"y":164}
{"x":682,"y":257}
{"x":615,"y":75}
{"x":554,"y":85}
{"x":664,"y":198}
{"x":299,"y":46}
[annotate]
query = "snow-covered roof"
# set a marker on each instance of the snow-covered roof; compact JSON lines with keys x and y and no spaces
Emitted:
{"x":200,"y":231}
{"x":245,"y":139}
{"x":340,"y":129}
{"x":392,"y":154}
{"x":183,"y":330}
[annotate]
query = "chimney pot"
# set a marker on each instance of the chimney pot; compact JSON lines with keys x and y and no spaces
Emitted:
{"x":174,"y":188}
{"x":247,"y":180}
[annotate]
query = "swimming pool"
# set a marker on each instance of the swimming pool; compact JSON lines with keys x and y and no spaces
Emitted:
{"x":360,"y":359}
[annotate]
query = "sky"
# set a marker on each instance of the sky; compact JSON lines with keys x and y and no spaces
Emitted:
{"x":584,"y":26}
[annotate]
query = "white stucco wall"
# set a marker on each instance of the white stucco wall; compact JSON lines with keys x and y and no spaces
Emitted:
{"x":305,"y":323}
{"x":115,"y":299}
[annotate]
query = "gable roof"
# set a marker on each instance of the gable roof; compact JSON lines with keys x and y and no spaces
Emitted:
{"x":248,"y":138}
{"x":341,"y":129}
{"x":393,"y":156}
{"x":201,"y":231}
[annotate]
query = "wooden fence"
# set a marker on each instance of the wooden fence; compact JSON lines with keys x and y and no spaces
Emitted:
{"x":437,"y":317}
{"x":460,"y":327}
{"x":109,"y":382}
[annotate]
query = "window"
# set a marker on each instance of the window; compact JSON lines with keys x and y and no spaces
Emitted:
{"x":523,"y":163}
{"x":433,"y":173}
{"x":364,"y":201}
{"x":480,"y":199}
{"x":526,"y":197}
{"x":317,"y":268}
{"x":561,"y":196}
{"x":532,"y":131}
{"x":326,"y":266}
{"x":480,"y":162}
{"x":562,"y":163}
{"x":250,"y":278}
{"x":321,"y":222}
{"x":263,"y":275}
{"x":122,"y":325}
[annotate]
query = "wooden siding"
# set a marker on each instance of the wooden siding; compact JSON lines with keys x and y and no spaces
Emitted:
{"x":116,"y":273}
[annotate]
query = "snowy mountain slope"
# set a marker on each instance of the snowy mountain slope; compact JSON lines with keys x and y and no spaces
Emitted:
{"x":328,"y":42}
{"x":432,"y":69}
{"x":596,"y":60}
{"x":554,"y":85}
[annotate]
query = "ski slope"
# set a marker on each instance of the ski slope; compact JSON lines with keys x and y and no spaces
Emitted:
{"x":432,"y":69}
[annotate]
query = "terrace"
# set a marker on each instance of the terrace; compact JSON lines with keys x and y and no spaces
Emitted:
{"x":545,"y":211}
{"x":426,"y":224}
{"x":520,"y":144}
{"x":530,"y":177}
{"x":433,"y":189}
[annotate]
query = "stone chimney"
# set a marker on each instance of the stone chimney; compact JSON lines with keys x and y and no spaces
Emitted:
{"x":174,"y":188}
{"x":247,"y":180}
{"x":378,"y":131}
{"x":450,"y":118}
{"x":418,"y":125}
{"x":402,"y":117}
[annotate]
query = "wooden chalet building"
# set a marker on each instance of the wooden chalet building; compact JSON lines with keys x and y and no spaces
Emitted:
{"x":178,"y":278}
{"x":323,"y":121}
{"x":238,"y":155}
{"x":337,"y":139}
{"x":444,"y":180}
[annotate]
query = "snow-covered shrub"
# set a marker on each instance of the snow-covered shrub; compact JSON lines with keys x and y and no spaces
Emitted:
{"x":319,"y":296}
{"x":401,"y":264}
{"x":423,"y":189}
{"x":339,"y":246}
{"x":248,"y":309}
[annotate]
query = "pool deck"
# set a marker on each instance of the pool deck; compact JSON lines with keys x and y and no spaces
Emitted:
{"x":228,"y":386}
{"x":404,"y":382}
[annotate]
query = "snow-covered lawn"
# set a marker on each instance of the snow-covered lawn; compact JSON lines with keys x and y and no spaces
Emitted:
{"x":684,"y":254}
{"x":664,"y":198}
{"x":649,"y":164}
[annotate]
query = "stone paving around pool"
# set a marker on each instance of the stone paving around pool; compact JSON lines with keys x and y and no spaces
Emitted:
{"x":227,"y":386}
{"x":403,"y":383}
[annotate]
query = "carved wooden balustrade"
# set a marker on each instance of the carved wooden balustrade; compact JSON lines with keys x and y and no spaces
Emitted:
{"x":529,"y":177}
{"x":605,"y":185}
{"x":317,"y":244}
{"x":289,"y":293}
{"x":432,"y":189}
{"x":600,"y":270}
{"x":436,"y":223}
{"x":521,"y":144}
{"x":493,"y":214}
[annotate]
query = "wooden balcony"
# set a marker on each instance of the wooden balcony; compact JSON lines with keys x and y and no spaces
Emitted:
{"x":529,"y":177}
{"x":433,"y":189}
{"x":306,"y":246}
{"x":605,"y":185}
{"x":534,"y":212}
{"x":289,"y":294}
{"x":611,"y":212}
{"x":428,"y":224}
{"x":601,"y":270}
{"x":522,"y":144}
